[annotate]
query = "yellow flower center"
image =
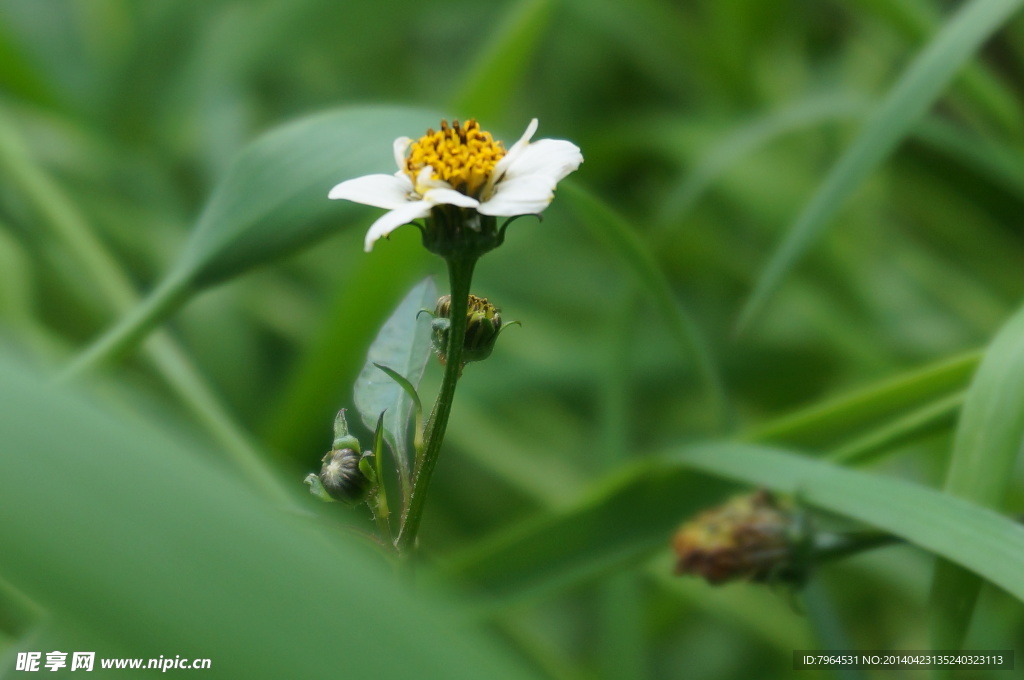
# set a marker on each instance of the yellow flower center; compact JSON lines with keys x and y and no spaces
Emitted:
{"x":462,"y":155}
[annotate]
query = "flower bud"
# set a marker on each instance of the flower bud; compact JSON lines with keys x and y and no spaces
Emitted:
{"x":750,"y":537}
{"x":342,"y":478}
{"x":483,"y":325}
{"x":346,"y":474}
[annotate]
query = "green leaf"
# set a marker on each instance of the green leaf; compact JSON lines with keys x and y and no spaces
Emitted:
{"x":403,"y":345}
{"x":497,"y":70}
{"x":634,"y":513}
{"x":825,"y":424}
{"x":747,"y":138}
{"x":612,"y":230}
{"x":988,"y":443}
{"x":974,"y":537}
{"x":273,"y":199}
{"x":417,"y":406}
{"x":331,"y":360}
{"x":123,"y":534}
{"x":918,"y":88}
{"x":271,"y":202}
{"x":619,"y":522}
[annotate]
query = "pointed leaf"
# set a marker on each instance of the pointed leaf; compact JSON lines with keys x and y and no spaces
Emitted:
{"x":417,"y":406}
{"x":273,"y":199}
{"x":988,"y":442}
{"x":272,"y":202}
{"x":623,"y":242}
{"x":213,"y":570}
{"x":403,"y":345}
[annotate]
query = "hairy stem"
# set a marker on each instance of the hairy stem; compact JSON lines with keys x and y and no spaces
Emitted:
{"x":460,"y":276}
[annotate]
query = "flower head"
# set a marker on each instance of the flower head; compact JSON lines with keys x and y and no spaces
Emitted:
{"x":749,"y":537}
{"x":459,"y":176}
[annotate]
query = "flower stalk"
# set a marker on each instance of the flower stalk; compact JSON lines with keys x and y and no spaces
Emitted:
{"x":459,"y":181}
{"x":460,"y":277}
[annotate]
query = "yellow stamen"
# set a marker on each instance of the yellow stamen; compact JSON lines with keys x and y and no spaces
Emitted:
{"x":463,"y":156}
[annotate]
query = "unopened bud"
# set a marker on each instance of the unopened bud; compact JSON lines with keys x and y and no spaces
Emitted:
{"x":342,"y":478}
{"x":750,"y":537}
{"x":346,"y":474}
{"x":483,"y":325}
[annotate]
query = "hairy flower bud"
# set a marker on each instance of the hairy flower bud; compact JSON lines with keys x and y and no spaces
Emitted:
{"x":750,"y":537}
{"x":342,"y":478}
{"x":346,"y":474}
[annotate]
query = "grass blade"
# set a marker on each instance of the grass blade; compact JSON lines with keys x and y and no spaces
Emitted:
{"x":988,"y":442}
{"x":622,"y":241}
{"x":190,"y":525}
{"x":917,"y":89}
{"x":272,"y":202}
{"x":635,"y":513}
{"x":497,"y":70}
{"x":823,"y":425}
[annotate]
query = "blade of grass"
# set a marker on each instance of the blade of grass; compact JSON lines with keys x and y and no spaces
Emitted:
{"x":933,"y":417}
{"x":747,"y":138}
{"x":190,"y":527}
{"x":500,"y":67}
{"x":972,"y":536}
{"x":634,"y":512}
{"x":824,"y":424}
{"x":622,"y":241}
{"x":988,"y":443}
{"x":62,"y":217}
{"x":981,"y":87}
{"x":919,"y":86}
{"x":271,"y":202}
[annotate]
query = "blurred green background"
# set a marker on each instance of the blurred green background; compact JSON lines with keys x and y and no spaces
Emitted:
{"x":706,"y":128}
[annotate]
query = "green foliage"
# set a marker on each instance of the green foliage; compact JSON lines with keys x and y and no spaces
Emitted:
{"x":153,"y":440}
{"x":222,"y":573}
{"x":918,"y":88}
{"x":401,"y":346}
{"x":988,"y":443}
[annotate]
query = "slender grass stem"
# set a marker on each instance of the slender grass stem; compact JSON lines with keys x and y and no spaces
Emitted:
{"x":129,"y":331}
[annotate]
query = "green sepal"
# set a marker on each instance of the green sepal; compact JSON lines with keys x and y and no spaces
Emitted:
{"x":342,"y":439}
{"x":368,"y":467}
{"x":317,"y":488}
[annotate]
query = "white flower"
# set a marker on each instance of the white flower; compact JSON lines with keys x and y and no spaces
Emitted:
{"x":464,"y":167}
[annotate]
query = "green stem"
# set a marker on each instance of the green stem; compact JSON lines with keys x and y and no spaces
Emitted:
{"x":831,"y":547}
{"x":460,"y":276}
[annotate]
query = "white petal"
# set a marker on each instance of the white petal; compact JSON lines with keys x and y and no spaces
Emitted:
{"x":520,"y":196}
{"x":503,"y":164}
{"x":392,"y":220}
{"x":441,"y":196}
{"x":553,"y":158}
{"x":380,"y":191}
{"x":401,"y":148}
